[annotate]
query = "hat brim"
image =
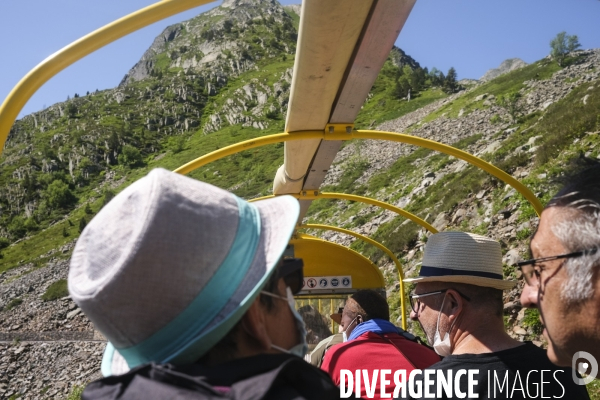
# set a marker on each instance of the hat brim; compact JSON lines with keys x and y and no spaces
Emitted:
{"x":113,"y":363}
{"x":337,"y":318}
{"x":466,"y":279}
{"x":279,"y":216}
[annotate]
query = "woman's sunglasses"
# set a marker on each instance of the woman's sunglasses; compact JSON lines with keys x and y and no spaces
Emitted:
{"x":291,"y":271}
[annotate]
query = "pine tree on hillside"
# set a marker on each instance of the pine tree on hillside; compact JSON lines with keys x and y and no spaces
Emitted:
{"x":450,"y":83}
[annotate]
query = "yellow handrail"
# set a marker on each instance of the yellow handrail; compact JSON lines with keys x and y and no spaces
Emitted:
{"x":463,"y":155}
{"x":365,"y":134}
{"x":315,"y":194}
{"x":379,"y":246}
{"x":22,"y":92}
{"x":246,"y":145}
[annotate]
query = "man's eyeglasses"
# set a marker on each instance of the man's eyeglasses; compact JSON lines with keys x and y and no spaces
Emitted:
{"x":414,"y":298}
{"x":532,"y":274}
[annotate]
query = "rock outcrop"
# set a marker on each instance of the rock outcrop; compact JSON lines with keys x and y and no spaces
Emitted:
{"x":506,"y":66}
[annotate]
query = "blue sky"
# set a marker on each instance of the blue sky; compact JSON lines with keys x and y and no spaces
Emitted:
{"x":470,"y":35}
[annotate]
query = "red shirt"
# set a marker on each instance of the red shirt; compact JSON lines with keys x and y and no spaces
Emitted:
{"x":371,"y":352}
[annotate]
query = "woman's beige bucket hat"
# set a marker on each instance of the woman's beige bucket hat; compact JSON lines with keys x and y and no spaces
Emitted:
{"x":171,"y":264}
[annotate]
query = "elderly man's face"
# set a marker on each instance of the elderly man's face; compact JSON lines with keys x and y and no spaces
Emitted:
{"x":566,"y":325}
{"x":428,"y":308}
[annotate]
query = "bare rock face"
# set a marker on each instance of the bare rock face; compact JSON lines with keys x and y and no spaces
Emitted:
{"x":296,"y":8}
{"x":47,"y":348}
{"x":47,"y":370}
{"x":200,"y":44}
{"x":506,"y":66}
{"x":240,"y":3}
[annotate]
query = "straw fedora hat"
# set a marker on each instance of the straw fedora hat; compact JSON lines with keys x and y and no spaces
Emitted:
{"x":171,"y":264}
{"x":463,"y":257}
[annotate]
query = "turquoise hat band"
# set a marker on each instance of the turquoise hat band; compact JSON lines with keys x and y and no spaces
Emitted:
{"x":107,"y":358}
{"x":212,"y":336}
{"x":188,"y":325}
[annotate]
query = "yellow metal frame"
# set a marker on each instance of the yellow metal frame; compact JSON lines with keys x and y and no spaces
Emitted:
{"x":303,"y":300}
{"x":22,"y":92}
{"x":345,"y":132}
{"x":365,"y":134}
{"x":315,"y":195}
{"x":376,"y":244}
{"x":310,"y":241}
{"x":58,"y":61}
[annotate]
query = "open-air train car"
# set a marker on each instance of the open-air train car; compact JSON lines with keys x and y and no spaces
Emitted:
{"x":342,"y":45}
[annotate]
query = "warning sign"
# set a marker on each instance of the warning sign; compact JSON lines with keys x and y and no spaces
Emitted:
{"x":327,"y":282}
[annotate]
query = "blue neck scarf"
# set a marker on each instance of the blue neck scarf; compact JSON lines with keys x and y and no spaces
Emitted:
{"x":379,"y":326}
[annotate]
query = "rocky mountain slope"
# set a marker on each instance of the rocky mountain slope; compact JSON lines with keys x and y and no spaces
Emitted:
{"x":223,"y":77}
{"x":506,"y":66}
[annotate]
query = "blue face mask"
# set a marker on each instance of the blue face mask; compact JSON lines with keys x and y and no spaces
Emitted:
{"x":301,"y":348}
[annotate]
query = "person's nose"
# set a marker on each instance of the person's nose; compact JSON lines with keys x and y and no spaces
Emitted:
{"x":413,"y":315}
{"x":529,"y":296}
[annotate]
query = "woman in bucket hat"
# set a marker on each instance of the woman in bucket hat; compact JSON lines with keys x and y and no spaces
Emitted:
{"x":188,"y":284}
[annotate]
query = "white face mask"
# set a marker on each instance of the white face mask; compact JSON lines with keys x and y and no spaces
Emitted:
{"x":344,"y":334}
{"x":442,"y":347}
{"x":301,"y":348}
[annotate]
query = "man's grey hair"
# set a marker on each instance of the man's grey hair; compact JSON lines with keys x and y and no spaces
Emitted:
{"x":578,"y":230}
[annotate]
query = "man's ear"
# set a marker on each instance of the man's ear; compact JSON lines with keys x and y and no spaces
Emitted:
{"x":454,"y":304}
{"x":254,"y":324}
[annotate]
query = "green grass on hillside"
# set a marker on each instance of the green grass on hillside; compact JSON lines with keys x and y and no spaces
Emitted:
{"x":295,"y":17}
{"x":383,"y":106}
{"x":247,"y":174}
{"x":56,"y":290}
{"x":504,"y":84}
{"x":565,"y":124}
{"x":142,"y":123}
{"x":13,"y":303}
{"x":383,"y":103}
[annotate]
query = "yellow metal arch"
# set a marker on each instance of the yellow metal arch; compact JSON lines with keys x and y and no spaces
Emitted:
{"x":322,"y":257}
{"x":315,"y":195}
{"x":379,"y":246}
{"x":363,"y":134}
{"x":60,"y":60}
{"x":463,"y":155}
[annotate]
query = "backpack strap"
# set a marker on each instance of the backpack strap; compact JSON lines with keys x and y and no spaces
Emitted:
{"x":413,"y":338}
